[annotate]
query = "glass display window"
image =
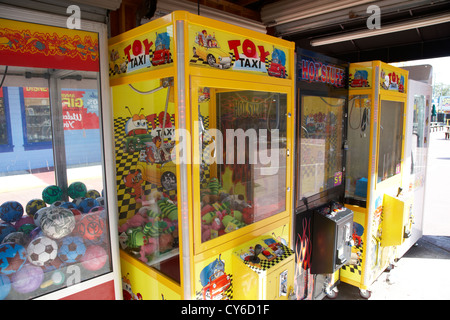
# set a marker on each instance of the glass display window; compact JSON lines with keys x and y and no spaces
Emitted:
{"x":321,"y":140}
{"x":358,"y":141}
{"x":242,"y":158}
{"x":390,"y":139}
{"x":144,"y":125}
{"x":53,"y":206}
{"x":418,"y":146}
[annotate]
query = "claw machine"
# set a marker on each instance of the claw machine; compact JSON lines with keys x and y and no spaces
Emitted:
{"x":203,"y":115}
{"x":375,"y":165}
{"x":417,"y":142}
{"x":322,"y":223}
{"x":56,"y":207}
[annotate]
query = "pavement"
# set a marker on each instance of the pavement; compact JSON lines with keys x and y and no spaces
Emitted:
{"x":423,"y":273}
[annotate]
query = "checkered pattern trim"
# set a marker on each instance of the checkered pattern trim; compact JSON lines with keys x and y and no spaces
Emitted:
{"x":199,"y":61}
{"x":356,"y":269}
{"x":265,"y":265}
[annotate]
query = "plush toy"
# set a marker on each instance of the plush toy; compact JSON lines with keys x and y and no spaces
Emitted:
{"x":206,"y":232}
{"x":206,"y":209}
{"x":152,"y":200}
{"x":149,"y":247}
{"x":135,"y":221}
{"x":237,"y":215}
{"x":210,"y":198}
{"x":229,"y":219}
{"x":168,"y":209}
{"x":214,"y":186}
{"x":208,"y":218}
{"x":248,"y":215}
{"x":165,"y":242}
{"x":136,"y":238}
{"x":216,"y":224}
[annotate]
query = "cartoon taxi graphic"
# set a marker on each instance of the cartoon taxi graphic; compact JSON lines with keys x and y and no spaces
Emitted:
{"x":207,"y":48}
{"x":360,"y":79}
{"x":162,"y":49}
{"x":277,"y":68}
{"x":219,"y":282}
{"x":116,"y":63}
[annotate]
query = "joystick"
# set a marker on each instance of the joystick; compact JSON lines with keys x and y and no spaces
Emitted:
{"x":257,"y":251}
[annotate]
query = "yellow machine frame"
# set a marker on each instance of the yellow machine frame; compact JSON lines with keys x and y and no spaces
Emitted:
{"x":378,"y":247}
{"x":188,"y":77}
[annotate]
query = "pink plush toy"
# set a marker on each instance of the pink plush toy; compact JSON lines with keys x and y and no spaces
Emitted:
{"x":135,"y":221}
{"x":148,"y":248}
{"x":206,"y":233}
{"x":206,"y":209}
{"x":165,"y":242}
{"x":216,"y":224}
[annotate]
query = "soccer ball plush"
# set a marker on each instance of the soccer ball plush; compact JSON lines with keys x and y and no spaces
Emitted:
{"x":91,"y":227}
{"x":12,"y":258}
{"x":51,"y":194}
{"x":5,"y":286}
{"x":34,"y":205}
{"x":77,"y":190}
{"x":57,"y":203}
{"x":101,"y":201}
{"x":77,"y":201}
{"x":38,"y":215}
{"x":95,"y":258}
{"x":71,"y":249}
{"x":5,"y":229}
{"x":57,"y":222}
{"x":16,"y":237}
{"x":87,"y":204}
{"x":41,"y":251}
{"x":94,"y":194}
{"x":68,"y":205}
{"x":11,"y":211}
{"x":28,"y":279}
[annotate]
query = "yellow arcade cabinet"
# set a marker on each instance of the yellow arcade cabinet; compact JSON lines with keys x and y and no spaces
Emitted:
{"x":375,"y":162}
{"x":203,"y":125}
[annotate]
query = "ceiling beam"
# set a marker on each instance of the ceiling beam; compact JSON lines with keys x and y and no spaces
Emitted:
{"x":230,"y":7}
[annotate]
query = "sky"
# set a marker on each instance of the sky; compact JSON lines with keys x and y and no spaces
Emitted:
{"x":441,"y":68}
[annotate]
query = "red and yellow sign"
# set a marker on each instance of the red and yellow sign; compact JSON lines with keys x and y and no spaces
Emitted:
{"x":213,"y":48}
{"x":142,"y":53}
{"x":40,"y":46}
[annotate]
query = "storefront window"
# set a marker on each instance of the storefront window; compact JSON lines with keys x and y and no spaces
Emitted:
{"x":144,"y":126}
{"x":358,"y":143}
{"x":391,"y":136}
{"x":54,"y":220}
{"x":243,"y":158}
{"x":37,"y":119}
{"x":5,"y":131}
{"x":321,"y":143}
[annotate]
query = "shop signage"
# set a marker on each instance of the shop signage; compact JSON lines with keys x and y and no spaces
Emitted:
{"x":40,"y":46}
{"x":79,"y":107}
{"x":213,"y":48}
{"x":314,"y":70}
{"x":391,"y":80}
{"x":147,"y":51}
